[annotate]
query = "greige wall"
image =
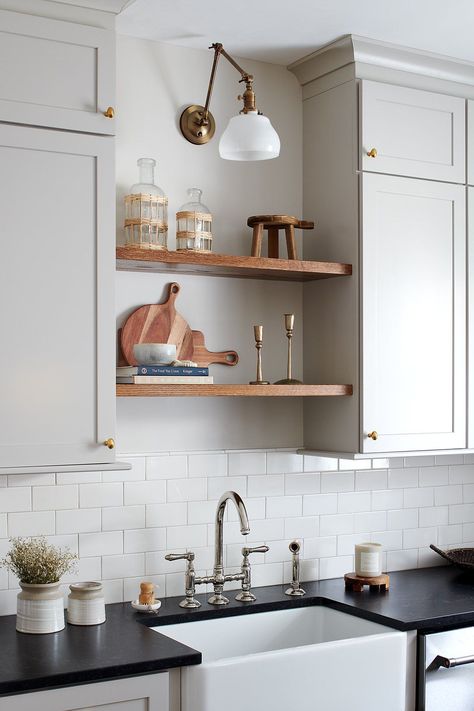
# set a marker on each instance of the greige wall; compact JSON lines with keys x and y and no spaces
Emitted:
{"x":155,"y":82}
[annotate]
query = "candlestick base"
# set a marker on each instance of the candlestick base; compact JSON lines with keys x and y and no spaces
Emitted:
{"x":288,"y":381}
{"x":259,"y":382}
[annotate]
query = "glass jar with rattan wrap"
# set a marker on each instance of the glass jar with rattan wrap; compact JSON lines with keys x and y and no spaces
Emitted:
{"x":194,"y":225}
{"x":146,"y":210}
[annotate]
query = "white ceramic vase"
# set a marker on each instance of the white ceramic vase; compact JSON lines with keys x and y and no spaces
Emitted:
{"x":86,"y":604}
{"x":40,"y":608}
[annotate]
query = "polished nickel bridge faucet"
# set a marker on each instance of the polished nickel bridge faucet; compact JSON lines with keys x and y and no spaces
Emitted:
{"x":218,"y":578}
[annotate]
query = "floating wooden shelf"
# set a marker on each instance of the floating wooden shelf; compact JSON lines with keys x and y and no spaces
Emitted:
{"x":233,"y":390}
{"x":226,"y":265}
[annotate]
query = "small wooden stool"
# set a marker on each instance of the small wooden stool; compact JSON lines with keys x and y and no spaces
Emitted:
{"x":356,"y":583}
{"x":273,"y":223}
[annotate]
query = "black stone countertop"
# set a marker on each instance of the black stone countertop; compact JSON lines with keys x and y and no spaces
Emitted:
{"x":427,"y":599}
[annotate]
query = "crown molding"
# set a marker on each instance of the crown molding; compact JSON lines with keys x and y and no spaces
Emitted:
{"x":353,"y":49}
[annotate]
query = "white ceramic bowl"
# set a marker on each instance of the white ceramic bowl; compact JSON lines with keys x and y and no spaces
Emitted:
{"x":154,"y":353}
{"x":146,"y":608}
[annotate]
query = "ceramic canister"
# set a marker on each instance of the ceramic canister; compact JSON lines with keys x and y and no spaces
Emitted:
{"x":86,"y":604}
{"x":40,"y":608}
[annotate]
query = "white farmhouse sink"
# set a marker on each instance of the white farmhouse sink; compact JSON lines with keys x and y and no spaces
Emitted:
{"x":310,"y":659}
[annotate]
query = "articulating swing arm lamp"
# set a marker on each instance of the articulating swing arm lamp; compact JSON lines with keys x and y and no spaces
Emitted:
{"x":257,"y":141}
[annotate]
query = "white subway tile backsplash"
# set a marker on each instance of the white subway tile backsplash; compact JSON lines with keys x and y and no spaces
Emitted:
{"x":337,"y":481}
{"x":268,"y":485}
{"x":335,"y":567}
{"x":413,"y":498}
{"x":445,"y":495}
{"x":371,"y":480}
{"x":216,"y":486}
{"x":120,"y":518}
{"x":402,"y":518}
{"x":319,"y":464}
{"x":315,"y":504}
{"x":127,"y":521}
{"x":186,"y":490}
{"x":78,"y":521}
{"x":175,"y":514}
{"x":301,"y":527}
{"x":100,"y":495}
{"x":94,"y":544}
{"x":52,"y":498}
{"x":144,"y":540}
{"x":123,"y":566}
{"x":434,"y":476}
{"x":302,"y":484}
{"x":388,"y":499}
{"x":32,"y":523}
{"x":144,"y":492}
{"x":207,"y":465}
{"x":16,"y":498}
{"x":247,"y":463}
{"x":336,"y":524}
{"x":187,"y":537}
{"x":167,"y":467}
{"x":461,"y":474}
{"x":284,"y":463}
{"x":281,"y":506}
{"x":354,"y":502}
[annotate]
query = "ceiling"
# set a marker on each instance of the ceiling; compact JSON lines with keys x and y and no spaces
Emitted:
{"x":281,"y":32}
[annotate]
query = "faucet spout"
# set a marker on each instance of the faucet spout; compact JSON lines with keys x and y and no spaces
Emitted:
{"x":218,"y":598}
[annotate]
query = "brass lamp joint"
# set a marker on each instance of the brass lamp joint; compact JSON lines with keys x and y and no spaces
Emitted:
{"x":248,"y":97}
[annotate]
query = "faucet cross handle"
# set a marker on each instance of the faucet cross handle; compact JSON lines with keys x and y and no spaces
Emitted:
{"x":245,"y":595}
{"x":189,"y":578}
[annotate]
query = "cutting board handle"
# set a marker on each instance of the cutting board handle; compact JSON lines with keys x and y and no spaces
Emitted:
{"x":173,"y":291}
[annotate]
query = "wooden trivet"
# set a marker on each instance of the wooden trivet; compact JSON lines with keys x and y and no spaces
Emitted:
{"x":356,"y":582}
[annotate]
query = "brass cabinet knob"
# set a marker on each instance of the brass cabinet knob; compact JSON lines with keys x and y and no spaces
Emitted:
{"x":372,"y":153}
{"x":110,"y":113}
{"x":373,"y":435}
{"x":110,"y":443}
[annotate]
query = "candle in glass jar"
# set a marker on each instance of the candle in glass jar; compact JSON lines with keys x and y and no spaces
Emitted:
{"x":368,"y":559}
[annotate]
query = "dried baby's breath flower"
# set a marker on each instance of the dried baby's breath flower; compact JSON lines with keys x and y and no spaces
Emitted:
{"x":35,"y":561}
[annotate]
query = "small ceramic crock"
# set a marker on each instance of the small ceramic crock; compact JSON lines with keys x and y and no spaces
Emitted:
{"x":40,"y":608}
{"x":86,"y":605}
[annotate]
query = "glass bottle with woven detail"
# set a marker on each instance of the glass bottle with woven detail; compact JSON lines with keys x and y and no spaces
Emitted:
{"x":194,"y":225}
{"x":146,"y":210}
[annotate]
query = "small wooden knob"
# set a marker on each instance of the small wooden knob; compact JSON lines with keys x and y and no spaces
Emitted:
{"x":110,"y":443}
{"x":110,"y":113}
{"x":373,"y":435}
{"x":372,"y":153}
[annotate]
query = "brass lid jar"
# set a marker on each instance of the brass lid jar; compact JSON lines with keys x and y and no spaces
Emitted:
{"x":194,"y":225}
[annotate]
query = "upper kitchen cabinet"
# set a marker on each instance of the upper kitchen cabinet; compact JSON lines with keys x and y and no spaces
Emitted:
{"x":470,"y":142}
{"x":411,"y":132}
{"x":60,"y":74}
{"x":397,"y":328}
{"x":57,"y":293}
{"x":413,"y":310}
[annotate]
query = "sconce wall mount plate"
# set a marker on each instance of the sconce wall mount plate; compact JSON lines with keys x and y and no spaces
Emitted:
{"x":195,"y":126}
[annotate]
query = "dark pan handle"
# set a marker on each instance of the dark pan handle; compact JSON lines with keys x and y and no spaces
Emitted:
{"x":440,"y":552}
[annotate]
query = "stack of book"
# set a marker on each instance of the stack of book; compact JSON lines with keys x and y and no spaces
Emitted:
{"x":162,"y":375}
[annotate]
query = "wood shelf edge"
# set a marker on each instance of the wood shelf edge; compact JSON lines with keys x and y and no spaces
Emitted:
{"x":233,"y":390}
{"x":134,"y":258}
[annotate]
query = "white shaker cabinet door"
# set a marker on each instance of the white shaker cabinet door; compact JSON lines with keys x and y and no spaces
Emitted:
{"x":470,"y":251}
{"x":414,"y":314}
{"x":470,"y":142}
{"x":412,"y":132}
{"x":140,"y":693}
{"x":57,"y":262}
{"x":56,"y":74}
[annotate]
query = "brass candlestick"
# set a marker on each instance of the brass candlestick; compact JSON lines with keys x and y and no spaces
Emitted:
{"x":289,"y":325}
{"x":258,"y":334}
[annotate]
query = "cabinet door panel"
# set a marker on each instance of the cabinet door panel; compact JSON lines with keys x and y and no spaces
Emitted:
{"x":415,"y":133}
{"x":470,"y":251}
{"x":413,"y":309}
{"x":470,"y":142}
{"x":56,"y":296}
{"x":59,"y":74}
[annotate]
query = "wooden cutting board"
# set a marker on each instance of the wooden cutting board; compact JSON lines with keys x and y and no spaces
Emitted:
{"x":161,"y":323}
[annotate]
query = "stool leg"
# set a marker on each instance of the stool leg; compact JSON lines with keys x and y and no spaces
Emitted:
{"x":257,"y":240}
{"x":273,"y":251}
{"x":290,"y":242}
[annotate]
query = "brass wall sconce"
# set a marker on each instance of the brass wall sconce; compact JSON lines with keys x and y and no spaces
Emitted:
{"x":248,"y":136}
